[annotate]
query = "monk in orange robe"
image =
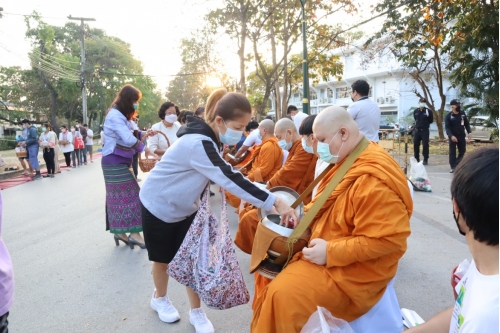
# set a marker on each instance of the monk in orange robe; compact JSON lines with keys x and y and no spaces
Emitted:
{"x":297,"y":174}
{"x":357,"y":238}
{"x":267,"y":158}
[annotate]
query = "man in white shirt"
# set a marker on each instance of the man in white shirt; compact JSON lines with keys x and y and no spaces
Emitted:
{"x":364,"y":111}
{"x":90,"y":141}
{"x":296,"y":116}
{"x":474,"y":190}
{"x":251,"y":140}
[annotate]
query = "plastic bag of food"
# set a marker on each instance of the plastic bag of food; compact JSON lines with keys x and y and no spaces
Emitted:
{"x":322,"y":321}
{"x":418,"y":176}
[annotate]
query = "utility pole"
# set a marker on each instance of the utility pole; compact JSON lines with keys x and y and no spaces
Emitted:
{"x":305,"y":67}
{"x":82,"y":60}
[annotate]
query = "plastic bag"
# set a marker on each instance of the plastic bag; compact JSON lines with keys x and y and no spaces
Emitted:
{"x":322,"y":321}
{"x":418,"y":176}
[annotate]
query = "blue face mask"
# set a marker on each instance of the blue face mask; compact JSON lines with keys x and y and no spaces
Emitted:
{"x":44,"y":129}
{"x":259,"y":136}
{"x":308,"y":149}
{"x":324,"y":151}
{"x":231,"y":137}
{"x":136,"y":106}
{"x":285,"y":145}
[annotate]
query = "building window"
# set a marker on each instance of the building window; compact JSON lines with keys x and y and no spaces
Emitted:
{"x":344,"y":92}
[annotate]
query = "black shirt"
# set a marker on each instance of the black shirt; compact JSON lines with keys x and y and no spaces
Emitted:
{"x":456,"y":124}
{"x":423,"y":118}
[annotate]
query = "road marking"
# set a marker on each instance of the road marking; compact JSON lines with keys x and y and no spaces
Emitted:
{"x":435,"y":196}
{"x":449,"y":231}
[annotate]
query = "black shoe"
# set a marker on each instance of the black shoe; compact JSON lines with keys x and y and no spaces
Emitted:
{"x":36,"y":177}
{"x":132,"y":242}
{"x":425,"y":162}
{"x":118,"y":238}
{"x":212,"y":193}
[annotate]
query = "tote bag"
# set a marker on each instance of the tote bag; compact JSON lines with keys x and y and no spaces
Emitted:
{"x":206,"y":261}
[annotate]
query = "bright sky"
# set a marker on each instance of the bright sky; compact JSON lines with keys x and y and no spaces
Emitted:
{"x":152,"y":27}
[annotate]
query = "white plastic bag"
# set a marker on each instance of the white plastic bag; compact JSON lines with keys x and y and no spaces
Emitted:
{"x":418,"y":176}
{"x":322,"y":321}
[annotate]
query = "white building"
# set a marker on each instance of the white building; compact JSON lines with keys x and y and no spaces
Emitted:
{"x":391,"y":86}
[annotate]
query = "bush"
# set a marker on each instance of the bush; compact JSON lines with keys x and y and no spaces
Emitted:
{"x":8,"y":142}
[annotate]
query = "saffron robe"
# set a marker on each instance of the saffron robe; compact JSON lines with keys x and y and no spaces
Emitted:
{"x":366,"y":222}
{"x":297,"y":174}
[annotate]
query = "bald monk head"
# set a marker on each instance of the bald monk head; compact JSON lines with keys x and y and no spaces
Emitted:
{"x":266,"y":129}
{"x":337,"y":134}
{"x":286,"y":133}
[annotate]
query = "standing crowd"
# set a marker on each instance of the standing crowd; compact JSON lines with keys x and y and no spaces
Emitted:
{"x":75,"y":144}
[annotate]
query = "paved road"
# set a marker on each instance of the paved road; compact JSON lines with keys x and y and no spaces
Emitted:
{"x":70,"y":277}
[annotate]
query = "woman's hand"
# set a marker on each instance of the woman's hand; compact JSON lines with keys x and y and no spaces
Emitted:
{"x":289,"y":217}
{"x":151,"y":132}
{"x":150,"y":154}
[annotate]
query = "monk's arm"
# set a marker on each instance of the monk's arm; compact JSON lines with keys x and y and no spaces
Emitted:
{"x":268,"y":156}
{"x":381,"y":225}
{"x":291,"y":174}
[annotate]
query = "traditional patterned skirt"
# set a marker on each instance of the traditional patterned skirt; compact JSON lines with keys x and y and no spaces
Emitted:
{"x":123,"y":207}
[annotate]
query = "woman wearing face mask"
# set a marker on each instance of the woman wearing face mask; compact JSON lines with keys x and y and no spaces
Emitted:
{"x":47,"y":143}
{"x":171,"y":193}
{"x":76,"y":155}
{"x":168,"y":125}
{"x":66,"y":144}
{"x":123,"y":208}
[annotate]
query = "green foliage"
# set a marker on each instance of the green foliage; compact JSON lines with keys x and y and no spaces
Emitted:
{"x":473,"y":50}
{"x":52,"y":85}
{"x":191,"y":88}
{"x":8,"y":142}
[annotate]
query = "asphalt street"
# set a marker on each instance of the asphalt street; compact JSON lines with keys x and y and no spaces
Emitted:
{"x":70,"y":276}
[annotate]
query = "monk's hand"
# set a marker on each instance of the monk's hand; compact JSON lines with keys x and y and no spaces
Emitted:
{"x":289,"y":217}
{"x":316,"y":252}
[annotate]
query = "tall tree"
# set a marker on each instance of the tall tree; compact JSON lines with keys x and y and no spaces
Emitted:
{"x":416,"y":36}
{"x":473,"y":51}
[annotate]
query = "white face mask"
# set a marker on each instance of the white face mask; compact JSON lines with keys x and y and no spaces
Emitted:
{"x":171,"y":118}
{"x":72,"y":129}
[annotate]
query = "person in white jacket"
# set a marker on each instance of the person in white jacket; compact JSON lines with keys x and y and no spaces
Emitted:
{"x":168,"y":125}
{"x":66,"y":144}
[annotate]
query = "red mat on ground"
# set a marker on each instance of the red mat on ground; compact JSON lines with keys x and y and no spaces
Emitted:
{"x":18,"y":180}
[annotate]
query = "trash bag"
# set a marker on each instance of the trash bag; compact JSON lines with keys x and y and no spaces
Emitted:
{"x":418,"y":176}
{"x":322,"y":321}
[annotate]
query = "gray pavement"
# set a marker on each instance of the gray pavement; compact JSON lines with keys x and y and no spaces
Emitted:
{"x":70,"y":276}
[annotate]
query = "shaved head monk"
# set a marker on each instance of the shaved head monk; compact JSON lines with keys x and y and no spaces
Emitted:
{"x":358,"y":237}
{"x":267,"y":158}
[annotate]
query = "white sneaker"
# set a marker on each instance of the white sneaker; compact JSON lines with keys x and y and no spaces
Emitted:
{"x":166,"y":310}
{"x":199,"y":320}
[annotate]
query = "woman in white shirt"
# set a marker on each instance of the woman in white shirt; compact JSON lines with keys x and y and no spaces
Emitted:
{"x":168,"y":126}
{"x":47,"y":143}
{"x":66,"y":144}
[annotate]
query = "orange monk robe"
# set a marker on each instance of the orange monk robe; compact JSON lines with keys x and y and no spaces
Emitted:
{"x":366,"y":222}
{"x":297,"y":174}
{"x":268,"y":160}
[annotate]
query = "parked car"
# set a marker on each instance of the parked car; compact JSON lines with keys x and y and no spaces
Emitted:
{"x":482,"y":128}
{"x":387,"y":130}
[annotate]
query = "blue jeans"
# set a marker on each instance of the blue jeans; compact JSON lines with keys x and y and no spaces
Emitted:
{"x":76,"y":156}
{"x":33,"y":156}
{"x":83,"y":153}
